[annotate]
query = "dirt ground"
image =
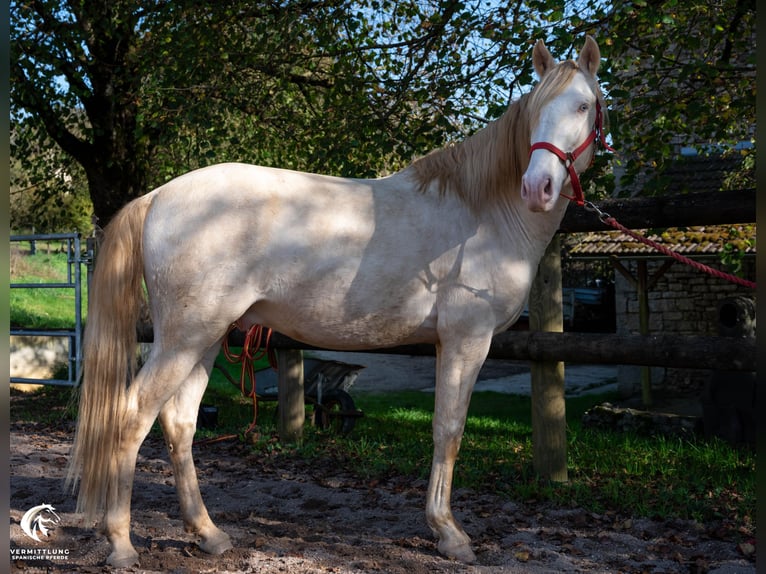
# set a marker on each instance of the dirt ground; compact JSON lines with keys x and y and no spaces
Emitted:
{"x":297,"y":517}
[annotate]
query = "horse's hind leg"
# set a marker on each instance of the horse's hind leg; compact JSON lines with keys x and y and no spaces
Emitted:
{"x":116,"y":525}
{"x":153,"y":385}
{"x":179,"y":420}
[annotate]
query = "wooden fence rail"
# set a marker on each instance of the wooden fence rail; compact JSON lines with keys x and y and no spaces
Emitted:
{"x":680,"y":351}
{"x":709,"y":208}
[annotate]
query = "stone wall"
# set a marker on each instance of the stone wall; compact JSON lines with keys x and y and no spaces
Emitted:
{"x":37,"y":358}
{"x":683,"y":302}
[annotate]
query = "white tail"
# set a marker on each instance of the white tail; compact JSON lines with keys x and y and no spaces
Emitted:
{"x":115,"y":301}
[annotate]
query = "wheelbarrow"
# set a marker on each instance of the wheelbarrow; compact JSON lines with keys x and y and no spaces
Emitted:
{"x":325,"y":388}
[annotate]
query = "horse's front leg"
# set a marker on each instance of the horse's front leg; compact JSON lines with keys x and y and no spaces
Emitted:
{"x":457,"y":366}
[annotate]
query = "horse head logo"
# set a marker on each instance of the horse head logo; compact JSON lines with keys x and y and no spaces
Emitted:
{"x":39,"y":519}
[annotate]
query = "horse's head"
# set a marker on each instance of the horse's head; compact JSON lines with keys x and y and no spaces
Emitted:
{"x":565,"y":124}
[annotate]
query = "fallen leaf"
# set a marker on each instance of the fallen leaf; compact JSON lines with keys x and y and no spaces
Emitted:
{"x":521,"y":555}
{"x":746,"y":548}
{"x":624,"y":524}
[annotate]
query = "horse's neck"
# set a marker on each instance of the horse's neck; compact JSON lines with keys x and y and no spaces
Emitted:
{"x":493,"y":163}
{"x":485,"y":169}
{"x":532,"y":232}
{"x":485,"y":172}
{"x":494,"y":159}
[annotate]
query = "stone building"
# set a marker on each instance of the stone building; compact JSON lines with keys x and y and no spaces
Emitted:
{"x":681,"y":300}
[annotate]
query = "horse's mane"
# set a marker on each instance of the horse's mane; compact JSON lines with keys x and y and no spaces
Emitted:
{"x":487,"y":167}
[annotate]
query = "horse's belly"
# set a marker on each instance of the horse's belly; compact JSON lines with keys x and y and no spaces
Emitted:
{"x":333,"y":324}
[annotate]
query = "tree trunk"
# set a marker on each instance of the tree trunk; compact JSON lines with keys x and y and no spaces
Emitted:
{"x":112,"y":188}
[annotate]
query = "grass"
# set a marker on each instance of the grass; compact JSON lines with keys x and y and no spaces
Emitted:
{"x":43,"y":308}
{"x":691,"y":478}
{"x":609,"y":472}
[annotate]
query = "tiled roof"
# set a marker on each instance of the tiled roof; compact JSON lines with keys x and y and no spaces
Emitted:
{"x":689,"y":174}
{"x":698,"y":173}
{"x":690,"y":241}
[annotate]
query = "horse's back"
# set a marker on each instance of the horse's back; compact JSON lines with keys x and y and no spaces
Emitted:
{"x":332,"y":261}
{"x":275,"y":244}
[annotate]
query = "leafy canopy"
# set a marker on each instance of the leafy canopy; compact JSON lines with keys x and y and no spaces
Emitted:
{"x":135,"y":92}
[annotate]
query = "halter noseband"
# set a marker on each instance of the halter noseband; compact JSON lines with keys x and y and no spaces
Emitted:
{"x":569,"y":158}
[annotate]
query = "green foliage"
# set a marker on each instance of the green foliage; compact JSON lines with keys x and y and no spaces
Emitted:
{"x":680,"y":74}
{"x":744,"y":178}
{"x":137,"y":92}
{"x":733,"y":256}
{"x":47,"y":196}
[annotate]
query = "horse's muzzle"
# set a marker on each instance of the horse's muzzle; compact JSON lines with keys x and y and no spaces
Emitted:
{"x":538,"y":192}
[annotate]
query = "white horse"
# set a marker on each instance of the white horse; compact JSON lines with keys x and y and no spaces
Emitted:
{"x":442,"y":252}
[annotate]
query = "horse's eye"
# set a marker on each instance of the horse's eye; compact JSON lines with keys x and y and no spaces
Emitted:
{"x":584,"y":107}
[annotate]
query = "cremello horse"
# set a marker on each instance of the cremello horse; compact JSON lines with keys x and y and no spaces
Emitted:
{"x":442,"y":252}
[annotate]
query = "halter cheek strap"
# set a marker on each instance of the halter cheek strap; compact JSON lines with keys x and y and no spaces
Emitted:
{"x":569,"y":158}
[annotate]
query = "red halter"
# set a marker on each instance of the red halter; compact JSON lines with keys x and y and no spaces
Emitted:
{"x":597,"y":136}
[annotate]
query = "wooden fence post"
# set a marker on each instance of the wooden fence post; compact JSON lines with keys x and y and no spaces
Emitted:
{"x":642,"y":290}
{"x":642,"y":283}
{"x":292,"y":411}
{"x":549,"y":441}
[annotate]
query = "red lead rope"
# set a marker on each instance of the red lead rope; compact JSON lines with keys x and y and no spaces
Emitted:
{"x":251,"y":352}
{"x":612,"y":222}
{"x":597,"y":136}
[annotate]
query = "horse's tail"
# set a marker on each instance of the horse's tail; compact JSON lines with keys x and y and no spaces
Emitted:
{"x":115,"y":301}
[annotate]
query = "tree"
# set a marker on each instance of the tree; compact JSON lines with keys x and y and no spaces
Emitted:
{"x":138,"y":91}
{"x":682,"y":74}
{"x":75,"y":77}
{"x":56,"y":202}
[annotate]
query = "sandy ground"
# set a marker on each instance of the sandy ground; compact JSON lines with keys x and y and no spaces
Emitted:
{"x":296,"y":517}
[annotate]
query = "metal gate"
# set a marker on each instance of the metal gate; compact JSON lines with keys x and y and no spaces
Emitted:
{"x":76,"y":258}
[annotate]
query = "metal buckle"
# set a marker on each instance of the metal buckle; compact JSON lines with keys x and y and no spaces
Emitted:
{"x":602,"y":215}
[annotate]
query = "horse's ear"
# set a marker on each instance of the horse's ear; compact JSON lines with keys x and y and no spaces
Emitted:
{"x":590,"y":56}
{"x":542,"y":59}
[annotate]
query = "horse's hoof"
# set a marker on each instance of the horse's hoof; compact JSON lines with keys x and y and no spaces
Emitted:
{"x":123,"y":559}
{"x":460,"y":552}
{"x":217,"y":544}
